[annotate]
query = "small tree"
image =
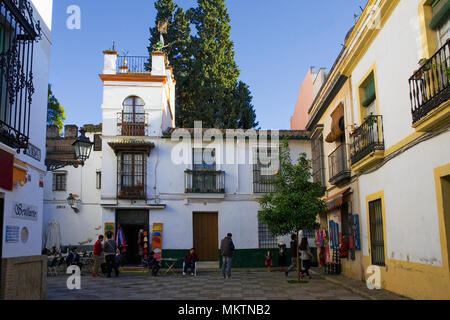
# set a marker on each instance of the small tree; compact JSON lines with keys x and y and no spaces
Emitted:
{"x":295,"y":203}
{"x":55,"y":111}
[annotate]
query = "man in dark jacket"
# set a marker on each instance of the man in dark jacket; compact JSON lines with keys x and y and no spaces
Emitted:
{"x":189,"y":261}
{"x":73,"y":258}
{"x":227,"y":248}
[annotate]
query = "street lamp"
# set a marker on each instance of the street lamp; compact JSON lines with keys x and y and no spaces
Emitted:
{"x":72,"y":201}
{"x":82,"y":147}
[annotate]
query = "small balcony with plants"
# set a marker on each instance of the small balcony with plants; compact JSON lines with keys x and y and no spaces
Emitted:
{"x":429,"y":91}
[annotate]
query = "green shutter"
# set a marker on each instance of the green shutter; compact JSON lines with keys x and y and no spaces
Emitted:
{"x":441,"y":16}
{"x":370,"y":95}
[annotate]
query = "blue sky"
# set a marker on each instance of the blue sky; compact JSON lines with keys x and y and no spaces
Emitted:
{"x":276,"y":41}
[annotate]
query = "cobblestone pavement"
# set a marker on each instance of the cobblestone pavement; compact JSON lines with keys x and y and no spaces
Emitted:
{"x":243,"y":285}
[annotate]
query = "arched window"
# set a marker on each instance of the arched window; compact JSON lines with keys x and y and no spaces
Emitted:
{"x":133,"y":117}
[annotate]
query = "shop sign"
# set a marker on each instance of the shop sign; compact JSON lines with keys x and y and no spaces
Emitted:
{"x":33,"y":152}
{"x":12,"y":234}
{"x":24,"y":211}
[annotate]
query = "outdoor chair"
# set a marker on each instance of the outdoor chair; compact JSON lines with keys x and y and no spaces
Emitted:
{"x":51,"y":266}
{"x":61,"y":263}
{"x":195,"y":268}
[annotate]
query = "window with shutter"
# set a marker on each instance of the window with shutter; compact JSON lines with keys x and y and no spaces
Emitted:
{"x":97,"y":142}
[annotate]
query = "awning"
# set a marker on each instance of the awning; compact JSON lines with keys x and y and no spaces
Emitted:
{"x":336,"y":200}
{"x":7,"y":165}
{"x":20,"y":170}
{"x":336,"y":130}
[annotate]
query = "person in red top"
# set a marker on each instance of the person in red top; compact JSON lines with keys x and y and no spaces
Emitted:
{"x":98,"y":249}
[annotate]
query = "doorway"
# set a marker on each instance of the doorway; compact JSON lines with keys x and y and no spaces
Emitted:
{"x":206,"y":235}
{"x":131,"y":222}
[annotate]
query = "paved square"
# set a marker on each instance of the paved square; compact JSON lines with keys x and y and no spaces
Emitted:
{"x":252,"y":285}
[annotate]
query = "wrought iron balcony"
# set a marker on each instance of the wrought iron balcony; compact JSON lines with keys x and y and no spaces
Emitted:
{"x":132,"y":124}
{"x":367,"y":138}
{"x":338,"y":168}
{"x":262,"y":183}
{"x":429,"y":86}
{"x":133,"y":64}
{"x":204,"y":181}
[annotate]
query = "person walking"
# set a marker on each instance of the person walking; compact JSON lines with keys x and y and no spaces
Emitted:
{"x":306,"y":255}
{"x":98,"y":249}
{"x":110,"y":249}
{"x":227,"y":248}
{"x":294,"y":252}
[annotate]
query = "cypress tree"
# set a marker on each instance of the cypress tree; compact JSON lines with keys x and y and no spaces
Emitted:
{"x":204,"y":66}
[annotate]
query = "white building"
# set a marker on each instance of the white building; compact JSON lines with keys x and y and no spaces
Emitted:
{"x":25,"y":33}
{"x":148,"y":176}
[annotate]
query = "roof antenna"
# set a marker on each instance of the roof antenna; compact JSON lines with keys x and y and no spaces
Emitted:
{"x":114,"y":46}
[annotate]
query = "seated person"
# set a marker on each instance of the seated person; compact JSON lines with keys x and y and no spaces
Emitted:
{"x":153,"y":264}
{"x":73,"y":258}
{"x":189,"y":261}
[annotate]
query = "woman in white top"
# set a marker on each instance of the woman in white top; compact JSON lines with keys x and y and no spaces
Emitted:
{"x":306,"y":256}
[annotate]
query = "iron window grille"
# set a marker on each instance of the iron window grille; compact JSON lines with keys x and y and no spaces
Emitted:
{"x":265,"y":238}
{"x":18,"y":32}
{"x":131,"y":175}
{"x":318,"y":161}
{"x":59,"y":181}
{"x":263,"y":174}
{"x":376,"y":232}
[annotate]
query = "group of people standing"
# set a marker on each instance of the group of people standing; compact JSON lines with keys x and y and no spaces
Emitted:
{"x":110,"y":251}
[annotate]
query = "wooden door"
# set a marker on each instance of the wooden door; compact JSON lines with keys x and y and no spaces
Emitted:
{"x":206,"y":235}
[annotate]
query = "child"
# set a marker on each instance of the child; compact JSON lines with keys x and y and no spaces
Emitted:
{"x":153,"y":264}
{"x":269,"y":261}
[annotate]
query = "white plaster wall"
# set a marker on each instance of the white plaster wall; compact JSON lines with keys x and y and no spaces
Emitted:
{"x":31,"y":193}
{"x":396,"y":51}
{"x":410,"y":198}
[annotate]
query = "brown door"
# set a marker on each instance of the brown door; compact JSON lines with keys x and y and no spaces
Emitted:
{"x":206,"y":235}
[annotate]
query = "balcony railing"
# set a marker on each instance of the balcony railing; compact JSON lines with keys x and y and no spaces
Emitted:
{"x":132,"y":64}
{"x":429,"y":86}
{"x":367,"y":138}
{"x":337,"y":165}
{"x":262,"y":183}
{"x":132,"y":124}
{"x":204,"y":181}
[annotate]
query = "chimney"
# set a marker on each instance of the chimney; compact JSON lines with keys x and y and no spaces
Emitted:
{"x":70,"y":131}
{"x":110,"y":65}
{"x":52,"y":131}
{"x":158,"y":64}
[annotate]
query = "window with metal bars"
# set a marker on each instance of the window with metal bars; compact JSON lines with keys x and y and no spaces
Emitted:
{"x":59,"y":181}
{"x":265,"y":238}
{"x":263,"y":174}
{"x":376,"y":232}
{"x":131,"y":175}
{"x":318,"y":160}
{"x":18,"y":32}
